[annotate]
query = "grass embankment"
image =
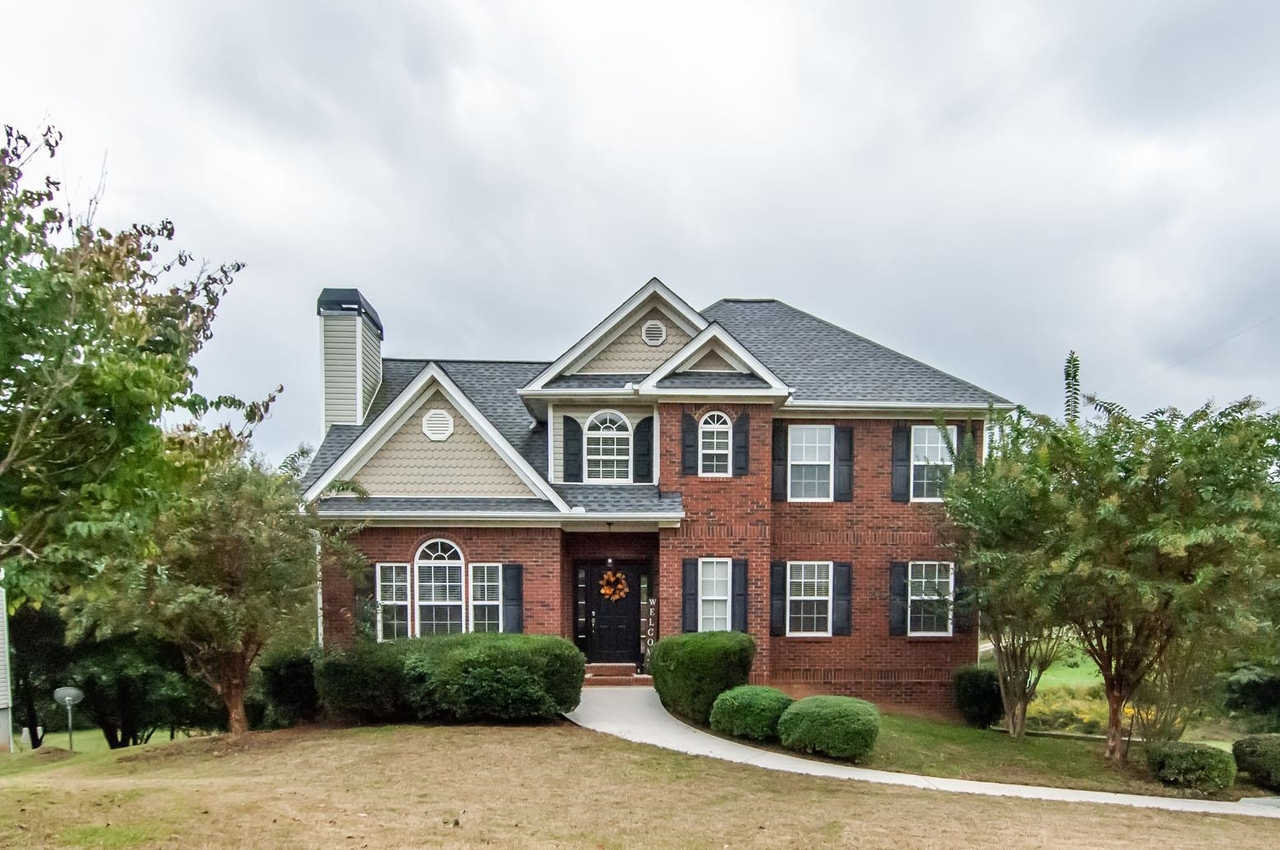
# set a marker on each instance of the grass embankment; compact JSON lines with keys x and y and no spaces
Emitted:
{"x":548,"y":786}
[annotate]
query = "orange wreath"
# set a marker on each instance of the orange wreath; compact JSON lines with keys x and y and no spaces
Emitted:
{"x":613,"y":586}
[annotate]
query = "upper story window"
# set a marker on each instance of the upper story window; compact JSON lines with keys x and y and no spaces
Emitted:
{"x":608,"y":447}
{"x":930,"y":461}
{"x":439,"y":567}
{"x":714,"y":440}
{"x":930,"y":588}
{"x":809,"y":463}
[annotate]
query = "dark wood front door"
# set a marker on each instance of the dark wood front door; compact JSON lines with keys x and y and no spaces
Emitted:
{"x":613,"y":624}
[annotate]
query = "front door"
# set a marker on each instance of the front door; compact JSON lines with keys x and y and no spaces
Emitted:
{"x":613,"y":612}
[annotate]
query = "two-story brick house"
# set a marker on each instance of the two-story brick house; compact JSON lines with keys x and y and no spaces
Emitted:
{"x":745,"y":467}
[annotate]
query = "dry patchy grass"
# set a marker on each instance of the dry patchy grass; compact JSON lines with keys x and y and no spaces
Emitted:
{"x":549,"y":786}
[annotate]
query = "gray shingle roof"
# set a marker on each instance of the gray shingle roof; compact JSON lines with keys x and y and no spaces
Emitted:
{"x":620,"y":498}
{"x":593,"y":382}
{"x":713,"y":381}
{"x":349,"y":505}
{"x":824,"y":362}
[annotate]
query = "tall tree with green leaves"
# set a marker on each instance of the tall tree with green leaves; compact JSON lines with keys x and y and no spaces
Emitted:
{"x":97,"y":334}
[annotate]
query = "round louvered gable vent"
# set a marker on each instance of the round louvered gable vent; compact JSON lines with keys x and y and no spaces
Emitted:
{"x":437,"y":425}
{"x":654,"y":332}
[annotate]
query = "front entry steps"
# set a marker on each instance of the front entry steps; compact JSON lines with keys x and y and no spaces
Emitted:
{"x":615,"y":675}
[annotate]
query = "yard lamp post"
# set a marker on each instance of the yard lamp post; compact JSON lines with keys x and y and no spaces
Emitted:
{"x":68,"y":697}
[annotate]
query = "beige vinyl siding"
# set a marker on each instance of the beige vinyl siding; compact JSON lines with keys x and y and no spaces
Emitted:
{"x":338,"y":338}
{"x":630,"y":354}
{"x":465,"y":465}
{"x":712,"y":361}
{"x":370,"y":363}
{"x":582,"y":413}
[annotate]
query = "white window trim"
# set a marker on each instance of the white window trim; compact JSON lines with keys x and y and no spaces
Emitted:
{"x":951,"y":599}
{"x":830,"y":597}
{"x":702,"y":423}
{"x":831,"y":475}
{"x":728,"y":599}
{"x":631,"y":450}
{"x":470,"y":593}
{"x":413,"y":591}
{"x":911,"y":484}
{"x":377,"y":595}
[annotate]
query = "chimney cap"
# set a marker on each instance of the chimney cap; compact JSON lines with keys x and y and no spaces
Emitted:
{"x":347,"y":301}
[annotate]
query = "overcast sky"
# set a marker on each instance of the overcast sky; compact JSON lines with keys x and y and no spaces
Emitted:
{"x":981,"y":186}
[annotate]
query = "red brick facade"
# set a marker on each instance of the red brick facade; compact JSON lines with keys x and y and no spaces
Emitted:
{"x":735,"y":517}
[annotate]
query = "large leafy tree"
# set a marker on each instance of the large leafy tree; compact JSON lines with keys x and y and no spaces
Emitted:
{"x":97,"y":336}
{"x":234,"y":569}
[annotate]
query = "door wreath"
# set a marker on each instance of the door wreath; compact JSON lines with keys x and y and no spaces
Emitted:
{"x":613,"y":585}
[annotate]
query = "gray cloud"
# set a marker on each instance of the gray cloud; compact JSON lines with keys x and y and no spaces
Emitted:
{"x":982,"y":186}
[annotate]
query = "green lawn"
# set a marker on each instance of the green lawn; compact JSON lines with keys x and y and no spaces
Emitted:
{"x":1072,"y":670}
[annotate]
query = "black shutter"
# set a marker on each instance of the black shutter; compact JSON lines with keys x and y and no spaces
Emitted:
{"x":962,"y":613}
{"x":778,"y":598}
{"x":688,"y":444}
{"x":738,"y":605}
{"x":512,"y":598}
{"x":689,"y":598}
{"x":842,"y":598}
{"x":572,"y":449}
{"x":643,"y":452}
{"x":898,"y":598}
{"x":901,"y":463}
{"x":779,"y":461}
{"x":742,"y":445}
{"x":844,"y":464}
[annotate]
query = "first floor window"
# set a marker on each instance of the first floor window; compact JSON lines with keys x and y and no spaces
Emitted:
{"x":809,"y":598}
{"x":930,"y":585}
{"x":930,"y":461}
{"x":439,"y":566}
{"x":809,"y":449}
{"x":713,"y":594}
{"x":486,"y":597}
{"x":393,"y":601}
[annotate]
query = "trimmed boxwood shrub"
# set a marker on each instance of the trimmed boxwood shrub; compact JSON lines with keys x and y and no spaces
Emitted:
{"x":840,"y":727}
{"x":494,"y":677}
{"x":289,"y":688}
{"x":1259,"y":756}
{"x":749,"y":711}
{"x":365,"y":684}
{"x":691,"y":670}
{"x":977,"y":696}
{"x":1198,"y":767}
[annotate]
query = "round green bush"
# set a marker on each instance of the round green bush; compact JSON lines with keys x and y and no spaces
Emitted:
{"x":840,"y":727}
{"x":749,"y":711}
{"x":1259,"y":756}
{"x":365,"y":684}
{"x":977,"y":696}
{"x":494,"y":676}
{"x":1197,"y":767}
{"x":691,"y":670}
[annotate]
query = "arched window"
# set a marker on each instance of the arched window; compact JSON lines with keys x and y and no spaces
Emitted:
{"x":714,"y":440}
{"x":608,"y":447}
{"x":439,"y":568}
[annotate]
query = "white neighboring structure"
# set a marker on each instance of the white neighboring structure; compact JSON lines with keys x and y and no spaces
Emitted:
{"x":6,"y":711}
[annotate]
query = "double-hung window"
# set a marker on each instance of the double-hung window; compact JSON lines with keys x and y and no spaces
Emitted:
{"x":439,"y":566}
{"x":713,"y":444}
{"x":930,"y":587}
{"x":393,"y":601}
{"x":713,"y":594}
{"x":486,"y":597}
{"x":810,"y":461}
{"x":930,"y":461}
{"x":808,"y":598}
{"x":608,"y":448}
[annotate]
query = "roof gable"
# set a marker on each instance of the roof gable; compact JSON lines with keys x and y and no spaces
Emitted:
{"x":747,"y":374}
{"x":629,"y":352}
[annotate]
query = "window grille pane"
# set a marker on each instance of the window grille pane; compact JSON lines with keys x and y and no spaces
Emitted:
{"x":395,"y":621}
{"x":486,"y":618}
{"x":439,"y":619}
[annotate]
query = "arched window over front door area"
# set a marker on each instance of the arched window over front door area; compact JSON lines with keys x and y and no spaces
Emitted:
{"x":608,"y":447}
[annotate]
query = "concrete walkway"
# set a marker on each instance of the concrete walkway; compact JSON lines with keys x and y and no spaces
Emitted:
{"x":635,"y":714}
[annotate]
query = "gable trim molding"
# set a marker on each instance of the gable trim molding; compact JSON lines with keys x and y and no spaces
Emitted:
{"x":399,"y":411}
{"x":698,"y":346}
{"x":689,"y":319}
